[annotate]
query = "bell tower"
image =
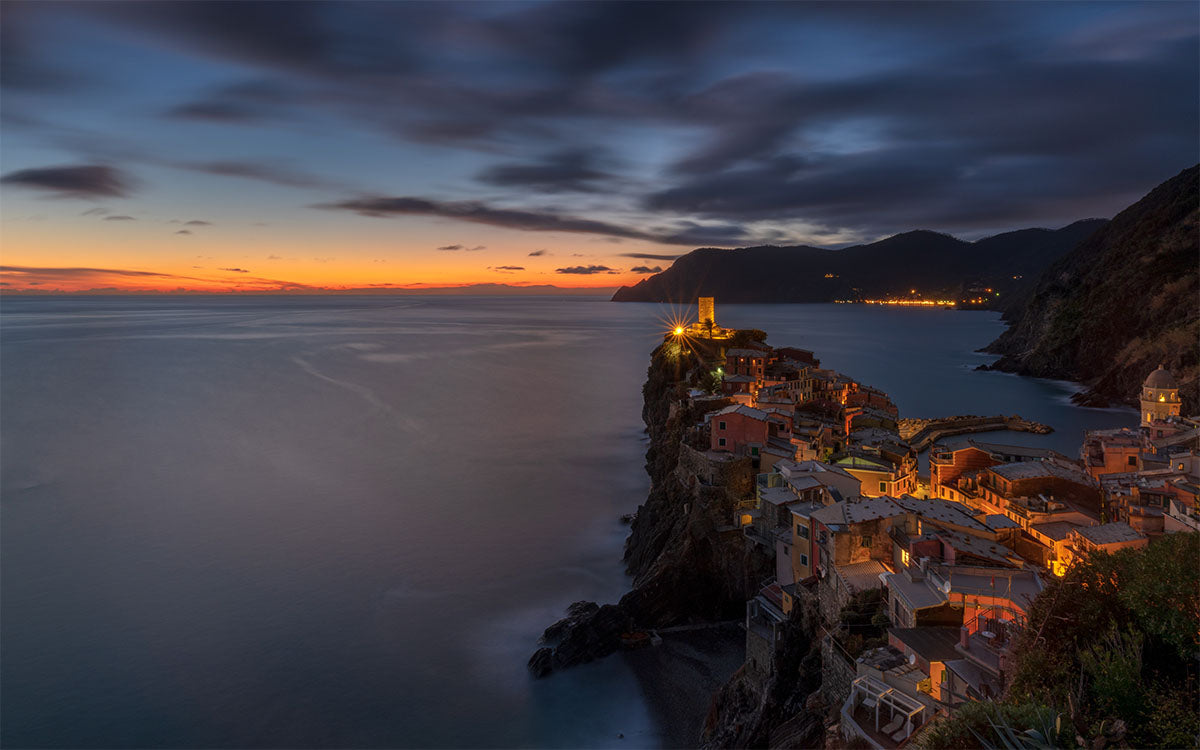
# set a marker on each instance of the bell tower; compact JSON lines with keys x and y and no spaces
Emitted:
{"x":1160,"y":396}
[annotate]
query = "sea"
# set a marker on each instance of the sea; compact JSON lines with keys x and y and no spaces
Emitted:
{"x":287,"y":521}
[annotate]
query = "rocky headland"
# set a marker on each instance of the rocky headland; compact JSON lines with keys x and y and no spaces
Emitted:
{"x":689,"y":566}
{"x":1118,"y":305}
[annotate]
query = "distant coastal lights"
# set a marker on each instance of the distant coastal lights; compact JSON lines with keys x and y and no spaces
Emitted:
{"x":913,"y":302}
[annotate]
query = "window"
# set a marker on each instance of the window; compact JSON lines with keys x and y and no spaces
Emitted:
{"x":721,"y":442}
{"x":802,"y":530}
{"x":720,"y":425}
{"x":753,"y":451}
{"x":785,"y":551}
{"x":803,"y":559}
{"x":1132,"y":461}
{"x":866,"y":541}
{"x":883,"y":486}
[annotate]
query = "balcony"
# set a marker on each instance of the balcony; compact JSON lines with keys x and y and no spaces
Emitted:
{"x":988,"y":638}
{"x":880,"y":714}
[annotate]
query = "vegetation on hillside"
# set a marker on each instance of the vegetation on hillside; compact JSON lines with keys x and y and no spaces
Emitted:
{"x":1110,"y":657}
{"x":1122,"y":302}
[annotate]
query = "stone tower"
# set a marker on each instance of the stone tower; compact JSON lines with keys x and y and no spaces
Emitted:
{"x":1160,"y":396}
{"x":708,"y":315}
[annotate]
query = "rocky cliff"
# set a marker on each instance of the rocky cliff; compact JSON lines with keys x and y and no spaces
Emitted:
{"x":785,"y":711}
{"x":1123,"y":301}
{"x":689,"y":564}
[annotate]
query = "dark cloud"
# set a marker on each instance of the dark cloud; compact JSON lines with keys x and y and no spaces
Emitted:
{"x":184,"y":231}
{"x":318,"y":38}
{"x":69,"y":272}
{"x":571,"y":170}
{"x":25,"y":66}
{"x":650,"y":256}
{"x":234,"y":270}
{"x":539,"y":253}
{"x":506,"y":268}
{"x":686,"y":233}
{"x":83,"y":181}
{"x":586,"y":270}
{"x":463,"y":248}
{"x":954,"y":144}
{"x":246,"y":102}
{"x":197,"y":223}
{"x":119,"y":218}
{"x":277,"y":174}
{"x":214,"y":110}
{"x":646,"y":269}
{"x":819,"y":117}
{"x":34,"y":275}
{"x":97,"y":211}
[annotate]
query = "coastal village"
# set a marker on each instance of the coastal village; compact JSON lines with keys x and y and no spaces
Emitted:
{"x":825,"y":483}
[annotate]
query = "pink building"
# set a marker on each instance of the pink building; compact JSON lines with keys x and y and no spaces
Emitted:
{"x":744,"y":429}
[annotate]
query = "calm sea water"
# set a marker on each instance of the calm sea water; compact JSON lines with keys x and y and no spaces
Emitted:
{"x":340,"y":521}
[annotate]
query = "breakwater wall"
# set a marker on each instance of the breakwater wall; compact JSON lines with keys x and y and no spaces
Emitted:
{"x":922,"y":433}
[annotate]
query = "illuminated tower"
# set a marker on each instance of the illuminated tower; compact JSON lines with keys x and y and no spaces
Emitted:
{"x":708,"y":316}
{"x":1160,"y":396}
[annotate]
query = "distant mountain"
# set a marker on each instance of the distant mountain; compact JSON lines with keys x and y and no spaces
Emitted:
{"x":1123,"y":301}
{"x":928,"y":262}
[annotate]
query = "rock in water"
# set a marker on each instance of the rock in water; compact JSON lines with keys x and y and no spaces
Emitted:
{"x":576,"y":613}
{"x":542,"y":662}
{"x":594,"y":637}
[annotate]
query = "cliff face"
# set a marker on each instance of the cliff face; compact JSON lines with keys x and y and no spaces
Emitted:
{"x":689,"y":564}
{"x":788,"y":710}
{"x":1126,"y":299}
{"x":922,"y":260}
{"x":684,"y":568}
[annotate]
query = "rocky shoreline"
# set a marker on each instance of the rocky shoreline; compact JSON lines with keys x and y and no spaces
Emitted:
{"x":690,"y":567}
{"x":685,"y":569}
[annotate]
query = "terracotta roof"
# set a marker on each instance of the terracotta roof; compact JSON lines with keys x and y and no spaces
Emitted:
{"x":1109,"y":533}
{"x":1034,"y":469}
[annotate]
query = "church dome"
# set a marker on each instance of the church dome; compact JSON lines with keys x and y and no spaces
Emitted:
{"x":1161,"y":379}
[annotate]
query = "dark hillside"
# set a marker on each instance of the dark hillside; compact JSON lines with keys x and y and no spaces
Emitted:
{"x":930,"y":262}
{"x":1125,"y":300}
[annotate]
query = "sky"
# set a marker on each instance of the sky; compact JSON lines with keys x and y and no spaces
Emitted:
{"x":305,"y":147}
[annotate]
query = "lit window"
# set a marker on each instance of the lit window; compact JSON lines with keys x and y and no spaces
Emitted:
{"x":904,"y":557}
